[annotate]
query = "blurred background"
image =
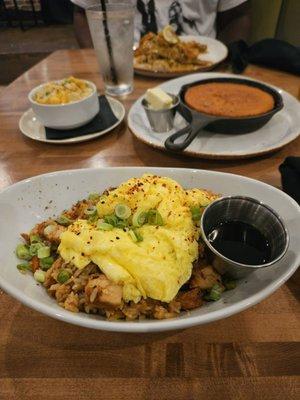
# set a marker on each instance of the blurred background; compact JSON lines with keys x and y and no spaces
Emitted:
{"x":32,"y":29}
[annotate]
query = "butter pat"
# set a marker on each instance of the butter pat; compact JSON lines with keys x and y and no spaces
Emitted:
{"x":158,"y":99}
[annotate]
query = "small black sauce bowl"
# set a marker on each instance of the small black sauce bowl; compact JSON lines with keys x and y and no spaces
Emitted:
{"x":230,"y":125}
{"x":252,"y":212}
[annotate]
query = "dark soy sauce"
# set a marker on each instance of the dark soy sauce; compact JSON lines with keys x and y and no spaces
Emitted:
{"x":240,"y":242}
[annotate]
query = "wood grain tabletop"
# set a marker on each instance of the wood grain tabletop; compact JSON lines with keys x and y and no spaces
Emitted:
{"x":252,"y":355}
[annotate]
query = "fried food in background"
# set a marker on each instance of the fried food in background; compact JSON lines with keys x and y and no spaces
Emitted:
{"x":165,"y":52}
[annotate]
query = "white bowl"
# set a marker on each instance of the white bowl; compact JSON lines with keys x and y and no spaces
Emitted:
{"x":35,"y":199}
{"x":69,"y":115}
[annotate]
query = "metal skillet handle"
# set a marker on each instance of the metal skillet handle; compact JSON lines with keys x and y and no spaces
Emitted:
{"x":191,"y":130}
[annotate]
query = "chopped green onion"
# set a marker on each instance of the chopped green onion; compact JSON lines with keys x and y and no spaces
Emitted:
{"x":34,"y":248}
{"x":22,"y":252}
{"x":103,"y":198}
{"x":63,"y":276}
{"x":43,"y":252}
{"x":54,"y":246}
{"x":46,"y":263}
{"x":104,"y":226}
{"x":111,"y":219}
{"x":63,"y":220}
{"x":229,"y":284}
{"x":138,"y":235}
{"x":154,"y":218}
{"x":135,"y":235}
{"x":49,"y":229}
{"x":93,"y":218}
{"x":122,"y":224}
{"x":39,"y":276}
{"x":196,"y":213}
{"x":35,"y":239}
{"x":92,"y":214}
{"x":206,"y":297}
{"x":91,"y":211}
{"x":122,"y":211}
{"x":24,"y":267}
{"x":215,"y":293}
{"x":139,"y":218}
{"x":94,"y":196}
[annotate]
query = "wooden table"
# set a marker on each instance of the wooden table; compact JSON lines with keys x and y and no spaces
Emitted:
{"x":252,"y":355}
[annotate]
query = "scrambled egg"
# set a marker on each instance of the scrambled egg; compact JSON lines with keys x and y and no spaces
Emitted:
{"x":161,"y":263}
{"x":68,"y":90}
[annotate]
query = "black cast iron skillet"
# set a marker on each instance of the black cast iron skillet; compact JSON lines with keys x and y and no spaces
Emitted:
{"x":213,"y":123}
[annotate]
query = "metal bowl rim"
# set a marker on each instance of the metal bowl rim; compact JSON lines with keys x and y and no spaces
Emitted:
{"x":235,"y":263}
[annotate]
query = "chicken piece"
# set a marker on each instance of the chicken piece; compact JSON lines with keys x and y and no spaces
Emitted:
{"x":131,"y":311}
{"x":146,"y":306}
{"x":53,"y":235}
{"x":52,"y":272}
{"x":144,"y":43}
{"x":101,"y":292}
{"x":39,"y":229}
{"x":190,"y":300}
{"x":204,"y":278}
{"x":72,"y":302}
{"x":62,"y":292}
{"x":77,"y":210}
{"x":174,"y":306}
{"x":34,"y":263}
{"x":161,"y":313}
{"x":192,"y":50}
{"x":114,"y":315}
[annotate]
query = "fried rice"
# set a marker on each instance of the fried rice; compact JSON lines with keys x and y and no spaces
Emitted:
{"x":88,"y":290}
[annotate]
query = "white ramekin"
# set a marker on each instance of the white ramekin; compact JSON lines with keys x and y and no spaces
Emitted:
{"x":66,"y":116}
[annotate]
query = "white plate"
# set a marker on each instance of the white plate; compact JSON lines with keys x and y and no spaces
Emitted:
{"x":216,"y":53}
{"x":31,"y":127}
{"x":33,"y":200}
{"x":279,"y":131}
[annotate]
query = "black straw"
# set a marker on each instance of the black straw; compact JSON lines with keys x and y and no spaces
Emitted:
{"x":108,"y":43}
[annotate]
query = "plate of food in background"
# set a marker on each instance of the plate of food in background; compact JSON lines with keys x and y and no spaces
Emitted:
{"x":166,"y":55}
{"x":69,"y":110}
{"x":133,"y":252}
{"x":221,"y":139}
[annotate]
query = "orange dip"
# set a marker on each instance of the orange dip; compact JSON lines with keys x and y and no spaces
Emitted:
{"x":229,"y":99}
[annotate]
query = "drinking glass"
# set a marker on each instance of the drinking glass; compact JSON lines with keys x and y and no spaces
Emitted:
{"x":112,"y":34}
